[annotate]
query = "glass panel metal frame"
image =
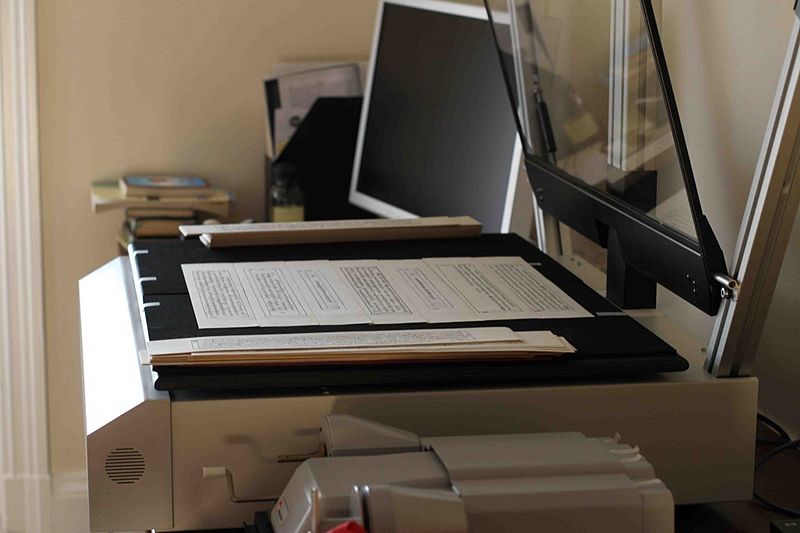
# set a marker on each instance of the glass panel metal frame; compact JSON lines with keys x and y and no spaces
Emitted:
{"x":642,"y":250}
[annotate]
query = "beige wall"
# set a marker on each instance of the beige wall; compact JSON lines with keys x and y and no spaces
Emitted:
{"x":153,"y":85}
{"x":778,"y":361}
{"x":725,"y":59}
{"x":174,"y":86}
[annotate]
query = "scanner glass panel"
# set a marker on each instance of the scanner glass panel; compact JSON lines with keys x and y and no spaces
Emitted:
{"x":590,"y":67}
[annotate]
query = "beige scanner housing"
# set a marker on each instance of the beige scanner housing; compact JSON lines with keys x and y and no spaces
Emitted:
{"x":696,"y":430}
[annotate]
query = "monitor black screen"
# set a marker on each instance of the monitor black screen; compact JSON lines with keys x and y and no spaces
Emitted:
{"x":438,"y":136}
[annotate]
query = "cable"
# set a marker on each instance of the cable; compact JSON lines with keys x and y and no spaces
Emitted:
{"x":794,"y":513}
{"x":774,"y":426}
{"x":784,"y":442}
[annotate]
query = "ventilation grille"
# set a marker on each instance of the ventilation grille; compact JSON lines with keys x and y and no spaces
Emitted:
{"x":125,"y":466}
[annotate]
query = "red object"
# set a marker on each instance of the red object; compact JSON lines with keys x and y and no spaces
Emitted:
{"x":351,"y":526}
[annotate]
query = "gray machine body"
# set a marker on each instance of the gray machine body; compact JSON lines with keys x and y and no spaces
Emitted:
{"x":482,"y":483}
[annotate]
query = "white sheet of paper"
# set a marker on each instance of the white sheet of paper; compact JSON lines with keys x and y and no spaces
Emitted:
{"x":428,"y":292}
{"x":384,"y":300}
{"x":326,"y":293}
{"x":275,"y":297}
{"x":217,"y":296}
{"x":478,"y":289}
{"x":505,"y":288}
{"x":529,"y":287}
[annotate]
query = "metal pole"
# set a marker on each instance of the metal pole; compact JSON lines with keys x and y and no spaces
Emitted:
{"x":764,"y":233}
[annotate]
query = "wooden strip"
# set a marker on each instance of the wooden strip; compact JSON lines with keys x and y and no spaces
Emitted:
{"x":266,"y":234}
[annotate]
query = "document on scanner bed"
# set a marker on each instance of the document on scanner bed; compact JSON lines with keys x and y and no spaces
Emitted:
{"x":500,"y":288}
{"x":416,"y":291}
{"x":274,"y":294}
{"x":384,"y":299}
{"x":435,"y":299}
{"x":326,"y":293}
{"x":218,"y":297}
{"x":269,"y":294}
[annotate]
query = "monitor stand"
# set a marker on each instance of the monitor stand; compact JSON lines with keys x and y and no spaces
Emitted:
{"x":627,"y":286}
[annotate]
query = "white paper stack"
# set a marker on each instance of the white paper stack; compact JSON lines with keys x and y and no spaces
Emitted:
{"x":354,"y":347}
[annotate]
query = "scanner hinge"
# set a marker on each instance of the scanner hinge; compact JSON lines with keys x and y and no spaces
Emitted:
{"x":730,"y":286}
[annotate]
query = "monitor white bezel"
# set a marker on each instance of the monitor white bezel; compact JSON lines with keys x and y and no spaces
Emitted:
{"x":384,"y":209}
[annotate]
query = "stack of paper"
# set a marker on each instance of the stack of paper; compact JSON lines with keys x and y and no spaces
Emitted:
{"x":401,"y":346}
{"x":107,"y":195}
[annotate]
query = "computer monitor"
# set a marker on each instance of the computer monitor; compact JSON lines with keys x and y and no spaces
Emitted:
{"x":437,"y":136}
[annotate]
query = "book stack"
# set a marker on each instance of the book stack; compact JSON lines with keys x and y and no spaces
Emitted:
{"x":164,"y":222}
{"x":155,"y":206}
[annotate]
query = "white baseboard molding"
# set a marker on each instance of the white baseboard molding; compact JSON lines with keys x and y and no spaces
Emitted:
{"x":69,"y":506}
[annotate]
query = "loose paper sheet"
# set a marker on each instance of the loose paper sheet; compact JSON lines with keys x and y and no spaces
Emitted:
{"x":383,"y":299}
{"x":274,"y":294}
{"x":478,"y":288}
{"x":506,"y":288}
{"x":301,"y":293}
{"x":534,"y":292}
{"x":326,"y":293}
{"x":428,"y":292}
{"x":218,"y":297}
